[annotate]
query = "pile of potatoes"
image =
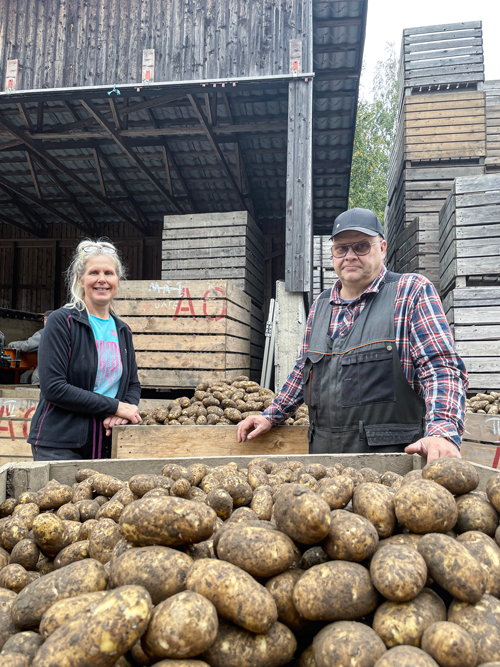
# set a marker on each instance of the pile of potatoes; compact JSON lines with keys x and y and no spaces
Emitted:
{"x":486,"y":404}
{"x":219,"y":403}
{"x":276,"y":564}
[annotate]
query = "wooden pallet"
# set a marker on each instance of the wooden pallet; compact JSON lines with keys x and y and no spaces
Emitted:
{"x":187,"y":332}
{"x":469,"y":230}
{"x":15,"y":422}
{"x":474,"y":317}
{"x":131,"y":442}
{"x":481,"y":439}
{"x":215,"y":246}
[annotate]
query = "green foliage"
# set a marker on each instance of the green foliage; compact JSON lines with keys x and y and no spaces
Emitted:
{"x":374,"y":138}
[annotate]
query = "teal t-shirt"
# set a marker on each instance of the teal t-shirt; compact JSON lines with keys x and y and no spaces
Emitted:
{"x":109,"y":369}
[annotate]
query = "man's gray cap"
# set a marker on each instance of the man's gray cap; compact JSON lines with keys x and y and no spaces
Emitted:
{"x":358,"y":220}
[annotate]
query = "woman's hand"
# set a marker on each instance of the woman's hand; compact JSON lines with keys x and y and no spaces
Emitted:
{"x":113,"y":420}
{"x":129,"y":412}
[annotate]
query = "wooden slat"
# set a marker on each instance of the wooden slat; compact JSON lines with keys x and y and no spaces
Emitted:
{"x":186,"y":441}
{"x":184,"y":379}
{"x":21,"y":408}
{"x":438,"y":36}
{"x":190,"y":343}
{"x":187,"y":307}
{"x":17,"y":449}
{"x":191,"y":360}
{"x":458,"y":43}
{"x":20,"y":393}
{"x":444,"y":128}
{"x":12,"y":429}
{"x":475,"y":452}
{"x":442,"y":27}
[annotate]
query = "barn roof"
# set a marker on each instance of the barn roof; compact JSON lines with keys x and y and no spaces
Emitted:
{"x":93,"y":155}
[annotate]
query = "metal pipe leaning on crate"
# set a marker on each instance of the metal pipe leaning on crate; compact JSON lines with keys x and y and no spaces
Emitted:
{"x":230,"y":566}
{"x":219,"y":403}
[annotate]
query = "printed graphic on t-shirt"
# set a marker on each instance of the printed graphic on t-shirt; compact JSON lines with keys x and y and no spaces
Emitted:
{"x":110,"y":366}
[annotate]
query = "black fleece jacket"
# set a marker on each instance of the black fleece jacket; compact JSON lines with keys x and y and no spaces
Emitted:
{"x":68,"y":361}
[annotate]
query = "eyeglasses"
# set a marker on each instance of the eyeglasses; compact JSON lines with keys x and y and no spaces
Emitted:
{"x":360,"y":248}
{"x":91,"y":247}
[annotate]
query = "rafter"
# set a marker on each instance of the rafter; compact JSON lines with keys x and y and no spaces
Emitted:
{"x":25,"y":116}
{"x":19,"y":225}
{"x":120,"y":141}
{"x":43,"y":153}
{"x":169,"y":157}
{"x":213,"y":142}
{"x":35,"y":222}
{"x":33,"y":175}
{"x":130,"y":198}
{"x":99,"y":172}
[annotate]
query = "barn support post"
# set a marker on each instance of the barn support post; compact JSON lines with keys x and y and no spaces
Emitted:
{"x":298,"y":256}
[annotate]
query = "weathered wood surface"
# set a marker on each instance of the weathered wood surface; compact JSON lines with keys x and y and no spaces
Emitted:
{"x":18,"y":391}
{"x":482,"y":428}
{"x":14,"y":449}
{"x":132,"y":442}
{"x":477,"y":452}
{"x":95,"y":43}
{"x":184,"y":379}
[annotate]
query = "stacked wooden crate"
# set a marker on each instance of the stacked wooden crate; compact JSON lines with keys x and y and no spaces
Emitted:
{"x":17,"y":407}
{"x":440,"y":135}
{"x":215,"y":246}
{"x":492,"y":92}
{"x":469,"y":236}
{"x":187,"y":331}
{"x":323,"y":273}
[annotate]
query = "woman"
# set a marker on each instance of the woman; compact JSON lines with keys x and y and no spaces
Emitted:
{"x":88,"y":372}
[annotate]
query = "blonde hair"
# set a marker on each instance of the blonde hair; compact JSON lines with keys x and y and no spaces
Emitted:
{"x":84,"y":251}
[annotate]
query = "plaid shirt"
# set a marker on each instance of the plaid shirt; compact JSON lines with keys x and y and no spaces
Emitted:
{"x":425,"y":346}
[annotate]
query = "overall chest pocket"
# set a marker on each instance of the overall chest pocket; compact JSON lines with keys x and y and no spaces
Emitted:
{"x":311,"y":380}
{"x":368,"y":377}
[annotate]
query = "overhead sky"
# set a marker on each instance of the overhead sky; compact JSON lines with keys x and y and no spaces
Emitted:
{"x":388,"y":18}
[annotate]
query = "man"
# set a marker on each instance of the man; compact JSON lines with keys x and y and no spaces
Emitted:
{"x":378,"y":370}
{"x":30,"y":345}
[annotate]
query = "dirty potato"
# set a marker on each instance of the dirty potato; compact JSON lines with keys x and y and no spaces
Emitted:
{"x":257,"y":550}
{"x":476,"y":513}
{"x":63,"y":610}
{"x":167,"y":521}
{"x":423,"y":506}
{"x":104,"y":631}
{"x":335,"y":591}
{"x":85,"y":576}
{"x":452,"y":566}
{"x":456,"y":475}
{"x":449,"y":645}
{"x":376,"y":503}
{"x":24,"y":644}
{"x":351,"y":537}
{"x":235,"y":647}
{"x":486,"y":551}
{"x":103,"y":539}
{"x":482,"y":622}
{"x":7,"y":627}
{"x":49,"y":534}
{"x":281,"y":588}
{"x":221,"y":502}
{"x":14,"y":577}
{"x":262,"y":502}
{"x":72,"y":553}
{"x":234,"y":593}
{"x":337,"y":491}
{"x":400,"y":623}
{"x":53,"y":495}
{"x":406,"y":656}
{"x":183,"y":626}
{"x":347,"y":643}
{"x":25,"y":553}
{"x":160,"y":570}
{"x":398,"y":572}
{"x":301,"y":514}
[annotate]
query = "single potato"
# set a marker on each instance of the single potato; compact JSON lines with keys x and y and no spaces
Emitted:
{"x":350,"y":537}
{"x":449,"y":645}
{"x":423,"y":506}
{"x":301,"y":514}
{"x":482,"y":622}
{"x":486,"y":551}
{"x":406,"y":656}
{"x":456,"y":475}
{"x":376,"y":503}
{"x":63,"y":610}
{"x":398,"y":572}
{"x":281,"y":588}
{"x":347,"y":643}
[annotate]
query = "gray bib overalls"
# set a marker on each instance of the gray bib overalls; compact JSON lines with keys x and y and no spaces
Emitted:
{"x":358,"y":396}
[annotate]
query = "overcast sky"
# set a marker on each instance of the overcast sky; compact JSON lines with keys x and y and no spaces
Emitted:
{"x":388,"y":18}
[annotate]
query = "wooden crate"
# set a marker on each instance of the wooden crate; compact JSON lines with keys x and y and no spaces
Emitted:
{"x":15,"y":422}
{"x":215,"y":246}
{"x":492,"y":92}
{"x":187,"y":332}
{"x":131,"y":442}
{"x":481,"y":439}
{"x":469,"y":230}
{"x":474,"y":317}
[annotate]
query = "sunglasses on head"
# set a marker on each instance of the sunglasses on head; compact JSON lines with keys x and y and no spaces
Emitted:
{"x":91,"y":247}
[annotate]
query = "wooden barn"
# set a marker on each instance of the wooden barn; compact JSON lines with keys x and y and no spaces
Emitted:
{"x":117,"y":113}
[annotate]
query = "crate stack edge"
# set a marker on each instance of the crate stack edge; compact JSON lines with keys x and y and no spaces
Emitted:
{"x":469,"y":233}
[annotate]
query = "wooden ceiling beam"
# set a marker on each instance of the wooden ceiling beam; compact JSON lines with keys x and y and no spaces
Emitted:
{"x":33,"y":175}
{"x":121,"y":142}
{"x":43,"y":153}
{"x":34,"y":221}
{"x":213,"y":142}
{"x":15,"y":223}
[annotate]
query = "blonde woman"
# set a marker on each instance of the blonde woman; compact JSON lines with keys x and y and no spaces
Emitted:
{"x":88,"y":372}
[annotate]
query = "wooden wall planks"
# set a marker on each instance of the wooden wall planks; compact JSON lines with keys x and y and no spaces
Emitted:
{"x":94,"y":42}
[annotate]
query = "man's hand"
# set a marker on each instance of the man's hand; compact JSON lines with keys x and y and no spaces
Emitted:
{"x":432,"y":448}
{"x":113,"y":420}
{"x":256,"y":424}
